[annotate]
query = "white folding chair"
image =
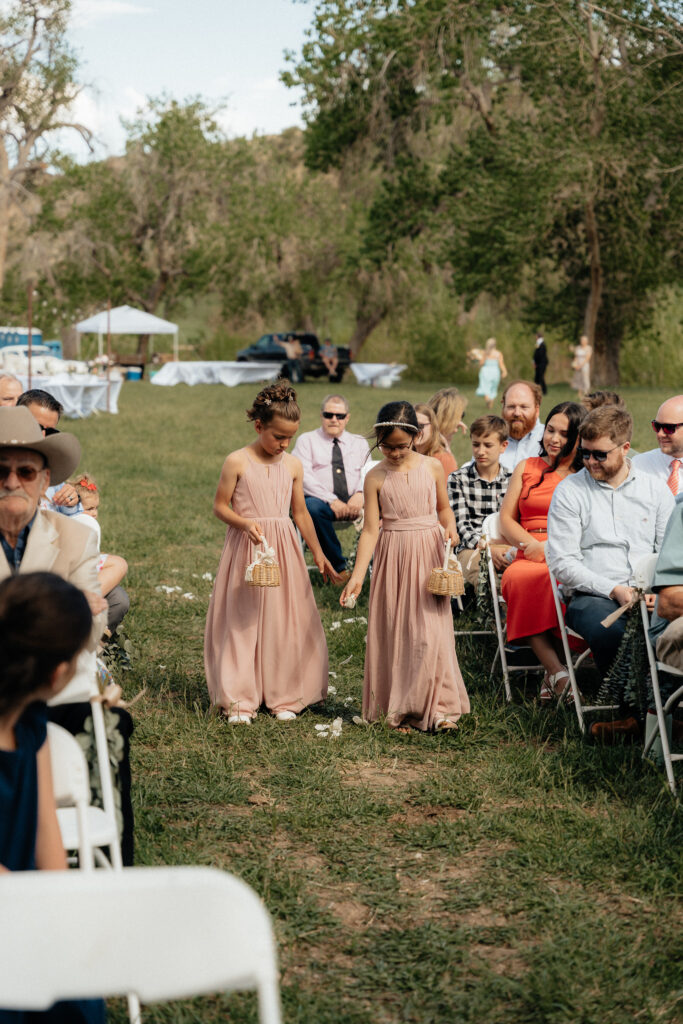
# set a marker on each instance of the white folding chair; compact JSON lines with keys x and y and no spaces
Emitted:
{"x":573,"y":662}
{"x":163,"y":933}
{"x":84,"y":827}
{"x":83,"y":688}
{"x":644,"y":574}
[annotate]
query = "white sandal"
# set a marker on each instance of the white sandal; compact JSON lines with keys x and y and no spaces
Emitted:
{"x":285,"y":716}
{"x":549,"y":692}
{"x":242,"y":719}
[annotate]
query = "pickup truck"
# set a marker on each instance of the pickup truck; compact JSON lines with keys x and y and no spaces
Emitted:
{"x":266,"y":349}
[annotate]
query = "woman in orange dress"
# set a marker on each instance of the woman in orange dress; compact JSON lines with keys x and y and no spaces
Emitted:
{"x":524,"y":521}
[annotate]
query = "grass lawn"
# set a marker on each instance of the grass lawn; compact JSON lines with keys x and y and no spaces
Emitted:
{"x":506,"y":874}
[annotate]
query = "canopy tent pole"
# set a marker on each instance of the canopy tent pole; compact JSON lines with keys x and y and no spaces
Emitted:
{"x":99,"y":344}
{"x":175,"y":347}
{"x":108,"y":354}
{"x":30,"y":331}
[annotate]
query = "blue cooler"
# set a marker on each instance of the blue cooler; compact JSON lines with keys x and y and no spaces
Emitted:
{"x":134,"y":373}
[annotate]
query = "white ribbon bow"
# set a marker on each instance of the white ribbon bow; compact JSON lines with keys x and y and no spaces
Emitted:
{"x":264,"y":556}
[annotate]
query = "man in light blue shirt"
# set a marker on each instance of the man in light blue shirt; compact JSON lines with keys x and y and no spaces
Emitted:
{"x":521,"y":406}
{"x":602,"y":520}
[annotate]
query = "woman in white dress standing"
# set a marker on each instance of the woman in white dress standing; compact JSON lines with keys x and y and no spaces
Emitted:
{"x":581,"y":365}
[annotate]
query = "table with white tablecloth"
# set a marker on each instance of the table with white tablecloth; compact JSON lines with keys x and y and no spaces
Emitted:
{"x":377,"y":375}
{"x":225,"y":373}
{"x":80,"y":393}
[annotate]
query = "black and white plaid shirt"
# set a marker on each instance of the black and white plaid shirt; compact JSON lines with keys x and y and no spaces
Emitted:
{"x":473,"y":499}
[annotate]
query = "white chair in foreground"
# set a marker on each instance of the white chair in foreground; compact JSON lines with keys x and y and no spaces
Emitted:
{"x":178,"y":932}
{"x":573,"y":663}
{"x":644,"y":575}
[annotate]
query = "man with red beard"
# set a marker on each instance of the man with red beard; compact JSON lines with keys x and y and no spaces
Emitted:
{"x":521,"y":406}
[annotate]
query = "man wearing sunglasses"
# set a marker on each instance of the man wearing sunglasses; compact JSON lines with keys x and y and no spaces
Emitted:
{"x":666,"y":461}
{"x":602,"y":520}
{"x":333,"y":461}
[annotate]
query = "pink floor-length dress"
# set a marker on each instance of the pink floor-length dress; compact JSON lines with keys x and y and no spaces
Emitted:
{"x":264,"y":645}
{"x":411,"y":668}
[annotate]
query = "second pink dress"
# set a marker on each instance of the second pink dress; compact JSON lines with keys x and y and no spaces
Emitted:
{"x":411,"y":669}
{"x":264,"y":645}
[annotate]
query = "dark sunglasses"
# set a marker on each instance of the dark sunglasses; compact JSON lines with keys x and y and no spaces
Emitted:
{"x":27,"y":473}
{"x":590,"y":453}
{"x":335,"y":415}
{"x":668,"y":428}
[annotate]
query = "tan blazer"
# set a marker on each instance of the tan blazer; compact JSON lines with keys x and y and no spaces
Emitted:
{"x":58,"y":544}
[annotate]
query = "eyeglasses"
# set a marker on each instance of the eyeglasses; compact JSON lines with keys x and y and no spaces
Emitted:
{"x":395,"y":447}
{"x":27,"y":473}
{"x":668,"y":428}
{"x":590,"y":453}
{"x":335,"y":415}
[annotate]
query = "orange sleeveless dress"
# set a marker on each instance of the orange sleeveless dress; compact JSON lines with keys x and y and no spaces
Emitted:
{"x":526,"y":585}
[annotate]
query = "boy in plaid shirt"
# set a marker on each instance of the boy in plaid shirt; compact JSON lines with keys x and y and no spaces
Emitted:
{"x":477,"y":490}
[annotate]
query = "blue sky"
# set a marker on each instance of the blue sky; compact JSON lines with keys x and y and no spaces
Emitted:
{"x":219,"y":49}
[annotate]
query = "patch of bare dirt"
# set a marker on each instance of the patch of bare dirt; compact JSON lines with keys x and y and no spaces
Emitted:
{"x":427,"y":814}
{"x":501,"y":960}
{"x":380,"y":776}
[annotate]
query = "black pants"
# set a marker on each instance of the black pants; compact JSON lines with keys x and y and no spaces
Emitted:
{"x":539,"y":378}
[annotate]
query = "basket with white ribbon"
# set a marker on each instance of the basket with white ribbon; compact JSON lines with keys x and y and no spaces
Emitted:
{"x":264,"y":570}
{"x":448,"y":581}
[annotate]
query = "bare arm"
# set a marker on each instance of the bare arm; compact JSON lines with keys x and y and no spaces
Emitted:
{"x":509,"y":519}
{"x":230,"y":474}
{"x":368,"y":538}
{"x":50,"y":854}
{"x":670,"y":604}
{"x":443,"y":508}
{"x":302,"y":518}
{"x":501,"y":363}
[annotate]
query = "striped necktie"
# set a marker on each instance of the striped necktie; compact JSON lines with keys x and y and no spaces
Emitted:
{"x":672,"y":482}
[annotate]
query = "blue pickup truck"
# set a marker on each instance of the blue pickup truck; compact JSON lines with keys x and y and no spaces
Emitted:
{"x":267,"y":350}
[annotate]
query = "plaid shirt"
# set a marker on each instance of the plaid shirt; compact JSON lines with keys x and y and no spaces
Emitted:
{"x":473,"y":499}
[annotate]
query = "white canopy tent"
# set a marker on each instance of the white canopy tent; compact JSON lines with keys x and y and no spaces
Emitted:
{"x":127,"y":320}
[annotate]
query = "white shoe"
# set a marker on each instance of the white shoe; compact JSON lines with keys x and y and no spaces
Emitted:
{"x":241,"y":719}
{"x":285,"y":716}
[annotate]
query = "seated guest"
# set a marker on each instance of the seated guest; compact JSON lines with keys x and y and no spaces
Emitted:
{"x":449,"y":408}
{"x":10,"y":388}
{"x":294,"y":352}
{"x":333,"y":460}
{"x":667,"y":623}
{"x":476,"y":491}
{"x":531,"y":614}
{"x":111,"y":569}
{"x":33,"y":539}
{"x":666,"y":461}
{"x":430,"y":442}
{"x":601,"y":522}
{"x":328,"y":354}
{"x":521,"y":405}
{"x":59,"y":497}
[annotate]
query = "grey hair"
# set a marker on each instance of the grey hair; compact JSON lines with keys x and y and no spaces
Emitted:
{"x":337,"y":398}
{"x":4,"y":375}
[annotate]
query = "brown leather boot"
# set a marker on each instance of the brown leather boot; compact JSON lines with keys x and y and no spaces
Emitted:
{"x":608,"y":732}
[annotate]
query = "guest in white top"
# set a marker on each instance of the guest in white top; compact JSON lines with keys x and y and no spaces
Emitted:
{"x":602,"y":520}
{"x":333,"y":461}
{"x":521,"y":407}
{"x":666,"y":462}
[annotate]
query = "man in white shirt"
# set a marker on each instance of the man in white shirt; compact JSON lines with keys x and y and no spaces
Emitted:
{"x":666,"y":462}
{"x":601,"y":521}
{"x":333,"y":461}
{"x":521,"y":406}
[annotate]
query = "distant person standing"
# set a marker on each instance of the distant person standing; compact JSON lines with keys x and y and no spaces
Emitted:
{"x":581,"y":365}
{"x":491,"y":369}
{"x":540,"y":363}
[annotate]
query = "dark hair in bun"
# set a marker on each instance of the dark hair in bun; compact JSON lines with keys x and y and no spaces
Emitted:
{"x":275,"y":400}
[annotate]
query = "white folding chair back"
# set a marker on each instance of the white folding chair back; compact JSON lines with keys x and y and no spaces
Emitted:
{"x":163,"y":933}
{"x":643,"y":576}
{"x":83,"y":687}
{"x":84,"y":827}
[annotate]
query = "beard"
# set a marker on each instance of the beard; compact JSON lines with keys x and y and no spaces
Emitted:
{"x":520,"y":426}
{"x":601,"y":471}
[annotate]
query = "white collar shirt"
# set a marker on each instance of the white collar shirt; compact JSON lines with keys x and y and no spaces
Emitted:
{"x":658,"y":464}
{"x":597,"y":533}
{"x":314,"y":451}
{"x":525,"y":448}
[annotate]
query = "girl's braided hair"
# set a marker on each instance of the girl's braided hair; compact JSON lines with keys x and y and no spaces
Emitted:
{"x":277,"y":399}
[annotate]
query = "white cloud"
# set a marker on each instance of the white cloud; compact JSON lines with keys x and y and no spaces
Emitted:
{"x":87,"y":12}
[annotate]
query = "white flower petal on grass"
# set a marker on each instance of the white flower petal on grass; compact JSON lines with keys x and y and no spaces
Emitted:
{"x":337,"y":727}
{"x":357,"y":720}
{"x":207,"y":576}
{"x":332,"y":690}
{"x":189,"y":597}
{"x":335,"y":625}
{"x":346,"y":660}
{"x":321,"y":728}
{"x":163,"y":589}
{"x":349,"y":700}
{"x":332,"y":675}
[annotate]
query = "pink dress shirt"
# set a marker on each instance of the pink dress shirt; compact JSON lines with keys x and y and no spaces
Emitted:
{"x":314,"y":450}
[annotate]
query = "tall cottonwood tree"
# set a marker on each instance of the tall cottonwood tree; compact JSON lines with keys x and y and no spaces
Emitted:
{"x":37,"y":87}
{"x":544,"y":140}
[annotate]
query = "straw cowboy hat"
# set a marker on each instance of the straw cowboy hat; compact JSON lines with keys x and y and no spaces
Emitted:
{"x":19,"y":429}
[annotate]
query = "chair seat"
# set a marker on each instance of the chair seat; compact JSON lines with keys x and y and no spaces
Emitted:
{"x":100,"y":831}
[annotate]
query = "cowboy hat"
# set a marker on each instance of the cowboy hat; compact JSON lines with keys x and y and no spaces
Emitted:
{"x":19,"y":429}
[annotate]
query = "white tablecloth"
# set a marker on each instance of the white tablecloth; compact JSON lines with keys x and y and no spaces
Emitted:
{"x":379,"y":375}
{"x":229,"y":374}
{"x":80,"y":394}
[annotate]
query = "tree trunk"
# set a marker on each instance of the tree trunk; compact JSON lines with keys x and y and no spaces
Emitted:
{"x":366,"y":321}
{"x":595,"y":293}
{"x":69,"y":336}
{"x":143,"y":345}
{"x":4,"y":210}
{"x":607,"y":350}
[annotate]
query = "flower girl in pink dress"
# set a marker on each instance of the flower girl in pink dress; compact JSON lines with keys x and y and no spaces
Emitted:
{"x":265,"y":645}
{"x":412,"y":676}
